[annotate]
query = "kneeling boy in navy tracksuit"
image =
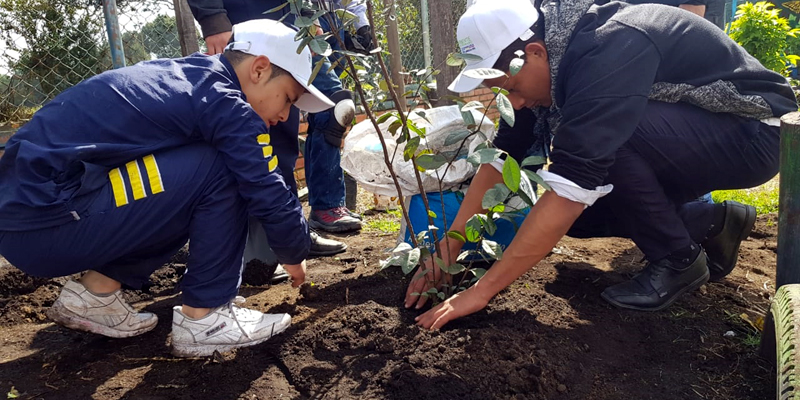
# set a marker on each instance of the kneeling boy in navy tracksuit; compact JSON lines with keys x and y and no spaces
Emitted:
{"x":114,"y":175}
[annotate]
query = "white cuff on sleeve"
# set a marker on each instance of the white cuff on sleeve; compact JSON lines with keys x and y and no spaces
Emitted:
{"x":498,"y":165}
{"x":570,"y":190}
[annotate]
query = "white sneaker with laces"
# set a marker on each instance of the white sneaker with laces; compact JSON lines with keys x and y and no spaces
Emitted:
{"x":107,"y":315}
{"x":224,"y":328}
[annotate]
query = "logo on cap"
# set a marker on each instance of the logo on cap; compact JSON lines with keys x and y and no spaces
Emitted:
{"x":466,"y":45}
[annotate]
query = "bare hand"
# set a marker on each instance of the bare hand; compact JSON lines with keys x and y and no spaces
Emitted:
{"x":297,"y":272}
{"x":433,"y":278}
{"x":462,"y":304}
{"x":216,"y":43}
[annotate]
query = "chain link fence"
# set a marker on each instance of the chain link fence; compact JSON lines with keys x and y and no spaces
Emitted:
{"x":47,"y":46}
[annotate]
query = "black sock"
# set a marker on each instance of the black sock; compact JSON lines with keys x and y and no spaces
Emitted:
{"x":718,"y":220}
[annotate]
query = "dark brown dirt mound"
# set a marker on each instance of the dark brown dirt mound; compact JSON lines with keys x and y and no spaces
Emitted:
{"x":375,"y":351}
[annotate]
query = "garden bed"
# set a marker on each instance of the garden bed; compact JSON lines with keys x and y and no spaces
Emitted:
{"x":549,"y":336}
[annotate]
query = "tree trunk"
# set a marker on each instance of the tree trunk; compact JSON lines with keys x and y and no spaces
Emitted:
{"x":443,"y":42}
{"x":187,"y":33}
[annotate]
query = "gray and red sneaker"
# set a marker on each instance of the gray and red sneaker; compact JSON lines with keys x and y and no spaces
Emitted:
{"x":334,"y":220}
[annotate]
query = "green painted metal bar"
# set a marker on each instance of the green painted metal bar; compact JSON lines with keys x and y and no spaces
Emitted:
{"x":789,"y":216}
{"x":114,"y":34}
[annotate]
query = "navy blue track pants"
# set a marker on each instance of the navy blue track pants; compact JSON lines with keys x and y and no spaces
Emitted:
{"x":143,"y":216}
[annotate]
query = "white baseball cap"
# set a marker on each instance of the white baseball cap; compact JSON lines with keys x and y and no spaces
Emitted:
{"x":273,"y":39}
{"x":486,"y":29}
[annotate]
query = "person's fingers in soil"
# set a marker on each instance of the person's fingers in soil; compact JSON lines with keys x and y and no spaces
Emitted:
{"x":427,"y":319}
{"x":417,"y":285}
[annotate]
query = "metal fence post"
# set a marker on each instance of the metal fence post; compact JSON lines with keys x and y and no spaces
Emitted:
{"x":788,"y":269}
{"x":114,"y":34}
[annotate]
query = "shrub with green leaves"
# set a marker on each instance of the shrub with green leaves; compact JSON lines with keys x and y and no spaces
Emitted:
{"x":372,"y":82}
{"x":765,"y":35}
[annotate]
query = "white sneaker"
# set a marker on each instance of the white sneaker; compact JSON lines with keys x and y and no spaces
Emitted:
{"x":107,"y":315}
{"x":225,"y":328}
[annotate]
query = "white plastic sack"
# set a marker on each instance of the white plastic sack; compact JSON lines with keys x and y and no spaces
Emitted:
{"x":362,"y":157}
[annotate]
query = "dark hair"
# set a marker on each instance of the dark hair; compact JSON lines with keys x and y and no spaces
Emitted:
{"x":235,"y":57}
{"x":508,"y":53}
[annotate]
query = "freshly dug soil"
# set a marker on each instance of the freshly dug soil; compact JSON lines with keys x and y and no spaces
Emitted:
{"x":549,"y":336}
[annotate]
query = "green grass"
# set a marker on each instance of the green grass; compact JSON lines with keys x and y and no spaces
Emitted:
{"x":764,"y":198}
{"x":384,"y":223}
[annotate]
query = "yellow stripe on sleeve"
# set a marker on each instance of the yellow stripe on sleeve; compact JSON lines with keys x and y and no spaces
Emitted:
{"x":153,"y":174}
{"x":273,"y":163}
{"x":267,"y":151}
{"x":263,"y":138}
{"x":137,"y":184}
{"x":118,"y":187}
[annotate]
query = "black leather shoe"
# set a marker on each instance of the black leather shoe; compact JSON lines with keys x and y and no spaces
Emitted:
{"x":659,"y":284}
{"x":723,"y":249}
{"x":321,"y":247}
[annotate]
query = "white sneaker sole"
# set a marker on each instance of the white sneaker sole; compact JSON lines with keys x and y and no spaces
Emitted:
{"x":205,"y":350}
{"x":66,"y":318}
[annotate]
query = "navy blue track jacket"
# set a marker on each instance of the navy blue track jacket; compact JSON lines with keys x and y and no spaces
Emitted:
{"x":72,"y":143}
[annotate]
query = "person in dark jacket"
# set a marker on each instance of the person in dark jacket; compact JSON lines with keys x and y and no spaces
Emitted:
{"x":649,"y":107}
{"x":324,"y":174}
{"x":116,"y":174}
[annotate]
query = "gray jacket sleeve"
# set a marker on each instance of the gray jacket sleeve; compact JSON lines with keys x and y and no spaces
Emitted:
{"x":211,"y":15}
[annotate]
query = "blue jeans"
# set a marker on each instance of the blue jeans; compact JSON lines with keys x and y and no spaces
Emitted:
{"x":324,"y":175}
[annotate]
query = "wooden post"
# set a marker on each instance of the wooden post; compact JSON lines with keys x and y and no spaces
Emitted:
{"x":443,"y":41}
{"x":789,"y":202}
{"x":393,"y":41}
{"x":187,"y":33}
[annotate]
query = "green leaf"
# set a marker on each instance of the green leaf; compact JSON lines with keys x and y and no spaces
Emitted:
{"x":303,"y":43}
{"x":457,"y":236}
{"x":272,"y":10}
{"x":431,"y":214}
{"x":394,"y":126}
{"x":423,"y":115}
{"x":478,"y":272}
{"x":317,"y":67}
{"x":484,"y":73}
{"x":468,"y":118}
{"x":440,"y":295}
{"x":384,"y":117}
{"x":411,"y":261}
{"x":456,"y":137}
{"x":430,"y":162}
{"x":515,"y":66}
{"x":412,"y":126}
{"x":511,"y":174}
{"x":484,"y":156}
{"x":472,"y":105}
{"x":468,"y":57}
{"x":494,"y":196}
{"x":421,"y":236}
{"x":303,"y":22}
{"x":454,"y":61}
{"x":506,"y":110}
{"x":497,"y":90}
{"x":534,"y":160}
{"x":320,"y":47}
{"x":488,"y":224}
{"x":411,"y":148}
{"x":454,"y":268}
{"x":493,"y":249}
{"x":473,"y":229}
{"x":538,"y":179}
